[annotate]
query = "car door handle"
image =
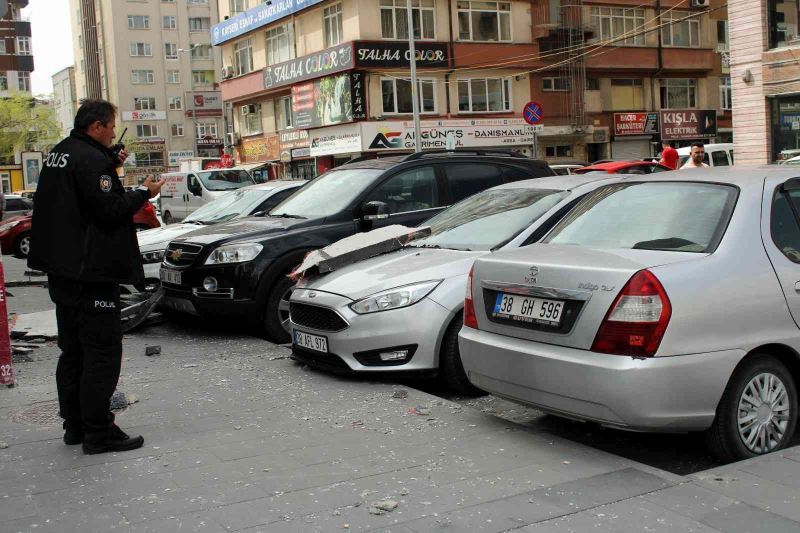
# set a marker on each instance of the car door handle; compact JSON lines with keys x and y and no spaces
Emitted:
{"x":797,"y":286}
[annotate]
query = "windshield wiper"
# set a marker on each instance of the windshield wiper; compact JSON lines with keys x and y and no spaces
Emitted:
{"x":286,"y":215}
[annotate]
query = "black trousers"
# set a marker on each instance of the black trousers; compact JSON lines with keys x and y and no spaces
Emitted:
{"x":90,"y":338}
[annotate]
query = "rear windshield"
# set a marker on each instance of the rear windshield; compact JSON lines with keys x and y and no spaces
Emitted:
{"x":671,"y":216}
{"x":225,"y":180}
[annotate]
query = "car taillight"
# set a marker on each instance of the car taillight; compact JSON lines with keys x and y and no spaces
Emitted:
{"x":637,"y":320}
{"x":470,"y":320}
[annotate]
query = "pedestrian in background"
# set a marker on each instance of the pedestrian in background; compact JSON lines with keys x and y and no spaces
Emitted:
{"x":696,"y":157}
{"x":83,"y":237}
{"x":669,"y":156}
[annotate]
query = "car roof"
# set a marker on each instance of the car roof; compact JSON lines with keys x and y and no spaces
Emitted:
{"x":560,"y":183}
{"x":743,"y":177}
{"x":385,"y":163}
{"x":275,"y":184}
{"x":715,"y":146}
{"x":616,"y":166}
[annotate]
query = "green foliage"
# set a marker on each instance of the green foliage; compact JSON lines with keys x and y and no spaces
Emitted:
{"x":24,"y":124}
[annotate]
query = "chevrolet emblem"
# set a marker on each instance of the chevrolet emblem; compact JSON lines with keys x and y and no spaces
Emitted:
{"x":176,"y":254}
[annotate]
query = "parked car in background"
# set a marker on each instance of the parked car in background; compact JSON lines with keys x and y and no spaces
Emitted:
{"x":244,"y":202}
{"x":663,"y":303}
{"x":624,"y":167}
{"x":717,"y":155}
{"x":402,"y":311}
{"x":16,"y":206}
{"x":240,"y":268}
{"x":15,"y":236}
{"x":145,"y":218}
{"x":184,"y":192}
{"x":565,"y":169}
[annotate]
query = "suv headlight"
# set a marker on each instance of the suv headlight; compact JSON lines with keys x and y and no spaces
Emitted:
{"x":234,"y":253}
{"x":395,"y":298}
{"x":154,"y":256}
{"x":6,"y":227}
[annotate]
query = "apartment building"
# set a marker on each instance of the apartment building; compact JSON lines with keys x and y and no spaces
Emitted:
{"x":65,"y":98}
{"x":647,"y":71}
{"x":16,"y":49}
{"x":312,"y":84}
{"x":154,"y":60}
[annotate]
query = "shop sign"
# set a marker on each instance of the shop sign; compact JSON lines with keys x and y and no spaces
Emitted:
{"x":465,"y":133}
{"x":329,"y":61}
{"x":299,"y":153}
{"x":387,"y":54}
{"x":291,"y":139}
{"x":688,"y":125}
{"x":174,"y":156}
{"x":635,"y":124}
{"x":204,"y":104}
{"x":259,"y":149}
{"x":328,"y":101}
{"x":210,"y":142}
{"x":256,"y":18}
{"x":343,"y":139}
{"x":144,"y":115}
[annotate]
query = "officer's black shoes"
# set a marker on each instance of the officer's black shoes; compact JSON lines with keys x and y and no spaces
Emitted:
{"x":115,"y":440}
{"x":73,"y":436}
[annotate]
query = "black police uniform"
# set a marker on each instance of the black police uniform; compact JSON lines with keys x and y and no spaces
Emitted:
{"x":84,"y":239}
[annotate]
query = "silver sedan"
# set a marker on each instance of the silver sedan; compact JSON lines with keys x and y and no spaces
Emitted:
{"x":402,"y":311}
{"x":659,"y":304}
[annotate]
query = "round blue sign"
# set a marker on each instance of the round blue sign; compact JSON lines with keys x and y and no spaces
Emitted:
{"x":533,"y":113}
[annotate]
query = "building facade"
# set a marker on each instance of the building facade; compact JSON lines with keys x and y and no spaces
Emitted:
{"x":65,"y":100}
{"x":16,"y":49}
{"x":154,"y":60}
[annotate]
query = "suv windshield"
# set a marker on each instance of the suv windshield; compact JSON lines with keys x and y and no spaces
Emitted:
{"x":228,"y":206}
{"x":225,"y":180}
{"x":672,"y":216}
{"x":488,"y":219}
{"x":327,"y":194}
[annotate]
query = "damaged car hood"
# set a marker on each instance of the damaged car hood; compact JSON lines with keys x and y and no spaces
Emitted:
{"x":250,"y":228}
{"x":402,"y":267}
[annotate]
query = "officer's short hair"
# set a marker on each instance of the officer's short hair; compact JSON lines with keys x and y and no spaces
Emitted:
{"x":93,"y":110}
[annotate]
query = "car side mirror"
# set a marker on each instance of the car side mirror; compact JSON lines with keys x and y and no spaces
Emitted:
{"x":374,"y":211}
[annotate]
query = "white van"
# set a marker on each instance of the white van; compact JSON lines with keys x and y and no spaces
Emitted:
{"x":184,"y":192}
{"x":717,"y":155}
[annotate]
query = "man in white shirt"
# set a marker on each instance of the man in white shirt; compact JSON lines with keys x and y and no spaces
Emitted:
{"x":696,"y":157}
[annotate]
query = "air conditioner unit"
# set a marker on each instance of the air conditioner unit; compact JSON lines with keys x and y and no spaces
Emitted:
{"x":227,"y":72}
{"x":701,"y":3}
{"x":232,"y":138}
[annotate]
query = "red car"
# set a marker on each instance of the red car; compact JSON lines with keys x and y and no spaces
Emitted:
{"x":625,"y":167}
{"x":15,"y":235}
{"x":145,"y":218}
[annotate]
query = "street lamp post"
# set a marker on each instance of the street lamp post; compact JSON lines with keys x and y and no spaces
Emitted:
{"x":414,"y":87}
{"x":191,"y":95}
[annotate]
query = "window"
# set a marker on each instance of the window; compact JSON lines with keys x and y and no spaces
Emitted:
{"x":467,"y":179}
{"x":250,"y":119}
{"x":678,"y":93}
{"x":627,"y":94}
{"x":140,"y":77}
{"x":23,"y":46}
{"x":149,"y":159}
{"x":396,"y":95}
{"x":556,"y":84}
{"x":203,"y":77}
{"x":169,"y":23}
{"x":138,"y":22}
{"x":24,"y":81}
{"x":725,"y":93}
{"x":722,"y":33}
{"x":484,"y":94}
{"x":141,"y":50}
{"x":279,"y":44}
{"x":3,"y":46}
{"x":394,"y":19}
{"x":170,"y":51}
{"x":592,"y":84}
{"x":412,"y":190}
{"x":201,"y":51}
{"x":622,"y":26}
{"x":332,"y":23}
{"x":146,"y":130}
{"x":560,"y":150}
{"x":677,"y":32}
{"x":283,"y":112}
{"x":720,"y":158}
{"x":243,"y":57}
{"x":782,"y":22}
{"x":175,"y":103}
{"x":177,"y":130}
{"x":206,"y":129}
{"x":237,"y":6}
{"x":167,"y":1}
{"x":484,"y":21}
{"x":785,"y":227}
{"x":3,"y":81}
{"x":198,"y":24}
{"x":144,"y":103}
{"x":197,"y":2}
{"x":173,"y":76}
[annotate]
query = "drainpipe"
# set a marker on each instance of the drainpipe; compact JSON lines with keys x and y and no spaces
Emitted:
{"x":450,"y":59}
{"x":660,"y":63}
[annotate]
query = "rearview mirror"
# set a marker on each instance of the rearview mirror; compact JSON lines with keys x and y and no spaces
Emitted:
{"x":374,"y":211}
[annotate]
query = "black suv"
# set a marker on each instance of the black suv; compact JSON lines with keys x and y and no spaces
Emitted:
{"x":240,"y":268}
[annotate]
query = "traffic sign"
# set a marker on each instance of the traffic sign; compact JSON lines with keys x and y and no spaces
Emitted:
{"x":533,"y":113}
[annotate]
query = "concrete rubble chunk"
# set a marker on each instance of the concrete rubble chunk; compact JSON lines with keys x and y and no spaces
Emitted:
{"x":383,"y":507}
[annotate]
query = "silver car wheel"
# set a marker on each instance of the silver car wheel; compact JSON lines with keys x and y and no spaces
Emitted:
{"x":283,"y":309}
{"x":25,"y":245}
{"x":764,"y":413}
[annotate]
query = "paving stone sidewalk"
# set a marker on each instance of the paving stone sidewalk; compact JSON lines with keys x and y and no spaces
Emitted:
{"x":240,"y":438}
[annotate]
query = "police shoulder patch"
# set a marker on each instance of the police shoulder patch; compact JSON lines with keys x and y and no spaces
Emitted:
{"x":105,"y":183}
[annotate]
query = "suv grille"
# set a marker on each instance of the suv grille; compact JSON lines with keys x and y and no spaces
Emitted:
{"x":315,"y":317}
{"x":181,"y":254}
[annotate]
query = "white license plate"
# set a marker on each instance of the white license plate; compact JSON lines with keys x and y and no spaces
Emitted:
{"x":310,"y":342}
{"x":528,"y":309}
{"x":170,"y":276}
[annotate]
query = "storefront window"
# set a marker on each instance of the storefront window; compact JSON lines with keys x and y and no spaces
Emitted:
{"x":783,"y":22}
{"x":785,"y":127}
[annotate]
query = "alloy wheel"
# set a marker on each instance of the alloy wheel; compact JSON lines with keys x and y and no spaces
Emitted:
{"x":25,"y":245}
{"x":283,"y":309}
{"x":764,"y":413}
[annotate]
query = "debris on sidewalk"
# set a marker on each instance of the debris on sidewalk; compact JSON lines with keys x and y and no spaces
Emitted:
{"x":152,"y":350}
{"x":419,"y":410}
{"x":383,"y":507}
{"x":120,"y":400}
{"x":357,"y":248}
{"x":401,"y":394}
{"x":137,"y":310}
{"x":32,"y":327}
{"x":191,"y":365}
{"x":3,"y":445}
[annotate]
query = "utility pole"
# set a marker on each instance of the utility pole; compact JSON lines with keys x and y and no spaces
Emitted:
{"x":414,"y":86}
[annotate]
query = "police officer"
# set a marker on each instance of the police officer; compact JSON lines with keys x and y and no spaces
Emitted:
{"x":84,"y":239}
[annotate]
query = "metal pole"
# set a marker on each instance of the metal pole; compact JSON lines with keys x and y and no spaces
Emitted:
{"x":414,"y":87}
